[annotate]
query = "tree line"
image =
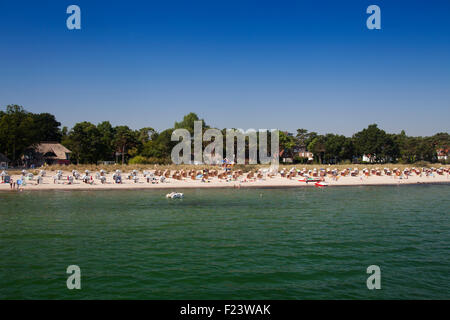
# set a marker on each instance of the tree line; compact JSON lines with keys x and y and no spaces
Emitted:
{"x":372,"y":143}
{"x":90,"y":143}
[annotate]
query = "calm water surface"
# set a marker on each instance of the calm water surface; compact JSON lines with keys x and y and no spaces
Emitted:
{"x":303,"y":243}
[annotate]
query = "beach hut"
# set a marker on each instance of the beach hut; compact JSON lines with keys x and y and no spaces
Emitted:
{"x":47,"y":152}
{"x":4,"y":177}
{"x":117,"y":176}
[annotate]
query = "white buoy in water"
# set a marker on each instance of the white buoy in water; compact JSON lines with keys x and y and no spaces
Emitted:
{"x":175,"y":195}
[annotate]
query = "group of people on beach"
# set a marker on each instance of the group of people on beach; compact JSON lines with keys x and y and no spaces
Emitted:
{"x":226,"y":173}
{"x":17,"y":183}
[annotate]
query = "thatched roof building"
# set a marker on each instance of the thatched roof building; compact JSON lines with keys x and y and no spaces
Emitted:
{"x":49,"y":153}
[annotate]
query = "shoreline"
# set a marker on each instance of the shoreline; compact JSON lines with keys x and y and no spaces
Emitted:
{"x":277,"y":183}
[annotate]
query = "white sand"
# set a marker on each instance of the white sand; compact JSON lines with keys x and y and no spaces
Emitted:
{"x":173,"y":184}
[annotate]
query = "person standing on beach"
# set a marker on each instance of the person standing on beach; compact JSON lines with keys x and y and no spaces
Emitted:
{"x":11,"y":183}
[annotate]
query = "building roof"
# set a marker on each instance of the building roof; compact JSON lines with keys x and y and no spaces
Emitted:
{"x":3,"y":158}
{"x":49,"y":148}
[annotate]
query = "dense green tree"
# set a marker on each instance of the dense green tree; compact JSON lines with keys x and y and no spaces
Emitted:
{"x":84,"y":140}
{"x":160,"y":146}
{"x":304,"y":138}
{"x":124,"y":140}
{"x":146,"y":134}
{"x":318,"y":147}
{"x":440,"y":140}
{"x":107,"y":135}
{"x":20,"y":129}
{"x":188,"y":123}
{"x":287,"y":144}
{"x":425,"y":150}
{"x":46,"y":128}
{"x":17,"y":132}
{"x":64,"y":132}
{"x":337,"y":148}
{"x":376,"y":143}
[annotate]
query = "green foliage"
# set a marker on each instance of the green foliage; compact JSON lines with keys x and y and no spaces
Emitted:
{"x":160,"y":146}
{"x":146,"y":134}
{"x":318,"y":147}
{"x":377,"y":143}
{"x":304,"y":138}
{"x":107,"y":133}
{"x":20,"y":129}
{"x":91,"y":143}
{"x":46,"y":128}
{"x":188,"y":123}
{"x":286,"y":143}
{"x":440,"y":140}
{"x":85,"y":142}
{"x":338,"y":148}
{"x":300,"y":160}
{"x":138,"y":160}
{"x":124,"y":140}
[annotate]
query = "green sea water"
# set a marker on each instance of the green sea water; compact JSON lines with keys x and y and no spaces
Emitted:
{"x":303,"y":243}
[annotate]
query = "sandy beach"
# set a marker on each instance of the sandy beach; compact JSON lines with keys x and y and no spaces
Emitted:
{"x":280,"y":179}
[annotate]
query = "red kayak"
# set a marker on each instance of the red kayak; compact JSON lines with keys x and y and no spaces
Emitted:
{"x":321,"y":184}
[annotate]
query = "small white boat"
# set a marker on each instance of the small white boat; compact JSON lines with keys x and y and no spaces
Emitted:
{"x":321,"y":184}
{"x":175,"y":195}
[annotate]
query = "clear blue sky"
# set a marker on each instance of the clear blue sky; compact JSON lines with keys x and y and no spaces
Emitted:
{"x":243,"y":64}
